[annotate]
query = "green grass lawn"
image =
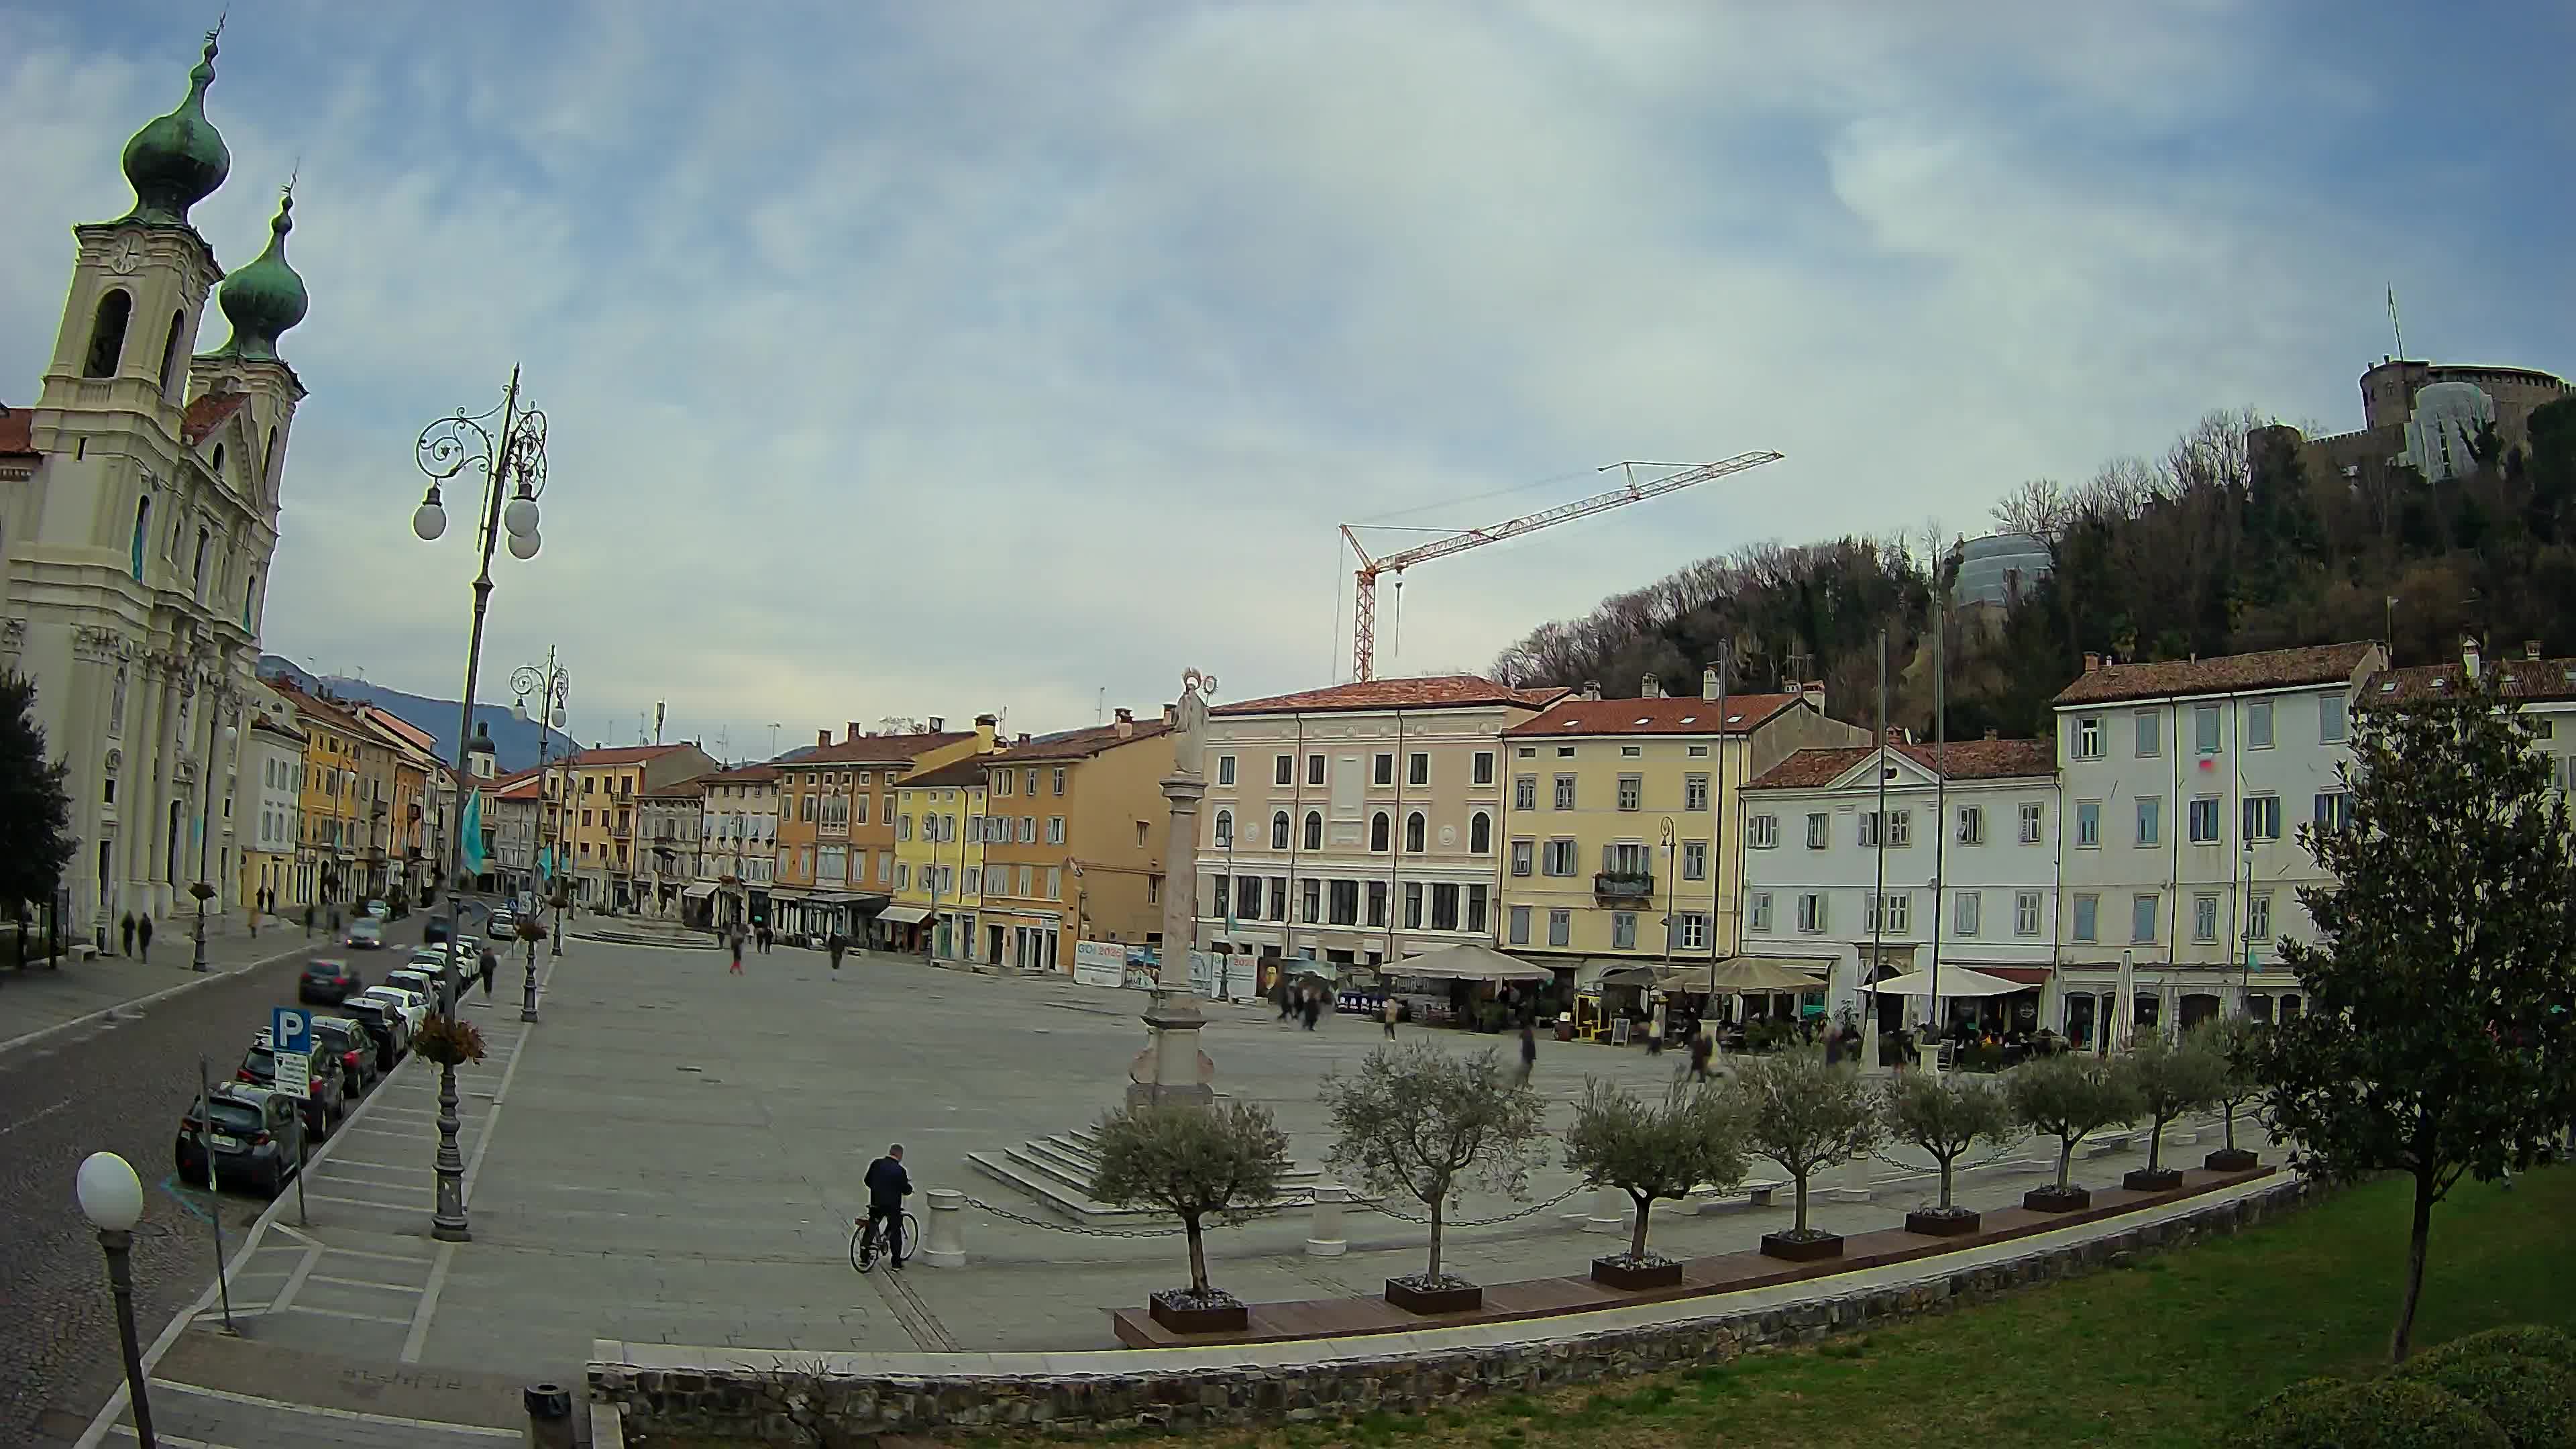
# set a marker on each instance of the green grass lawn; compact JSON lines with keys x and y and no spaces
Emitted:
{"x":2169,"y":1352}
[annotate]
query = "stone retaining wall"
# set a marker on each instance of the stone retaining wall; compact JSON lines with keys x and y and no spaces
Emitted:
{"x":769,"y":1403}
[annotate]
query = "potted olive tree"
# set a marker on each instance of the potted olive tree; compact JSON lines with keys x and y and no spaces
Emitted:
{"x":2236,"y":1041}
{"x":1945,"y":1115}
{"x":2070,"y":1098}
{"x":2170,"y":1078}
{"x":1198,"y":1163}
{"x":1652,"y":1151}
{"x":1806,"y":1115}
{"x":1418,"y":1121}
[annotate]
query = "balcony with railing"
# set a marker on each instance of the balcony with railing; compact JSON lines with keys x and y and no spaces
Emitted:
{"x":1622,"y":885}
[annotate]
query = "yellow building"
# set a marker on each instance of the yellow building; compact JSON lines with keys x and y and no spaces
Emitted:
{"x":938,"y":859}
{"x":1077,"y":827}
{"x":1623,"y":815}
{"x":332,"y":831}
{"x":836,"y":813}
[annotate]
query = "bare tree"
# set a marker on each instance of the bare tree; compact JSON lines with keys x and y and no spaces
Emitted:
{"x":2038,"y":507}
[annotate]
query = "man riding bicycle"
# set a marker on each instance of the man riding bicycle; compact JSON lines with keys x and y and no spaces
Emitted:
{"x":888,"y":1184}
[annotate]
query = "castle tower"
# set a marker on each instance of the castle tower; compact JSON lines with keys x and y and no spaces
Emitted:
{"x":137,"y":550}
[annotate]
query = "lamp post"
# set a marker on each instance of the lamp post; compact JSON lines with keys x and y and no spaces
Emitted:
{"x":111,"y":1197}
{"x":553,"y":690}
{"x":515,"y":457}
{"x":205,"y":836}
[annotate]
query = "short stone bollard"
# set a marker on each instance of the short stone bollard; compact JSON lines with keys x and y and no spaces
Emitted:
{"x":1324,"y":1237}
{"x":944,"y":1241}
{"x":1610,"y":1211}
{"x":549,"y":1416}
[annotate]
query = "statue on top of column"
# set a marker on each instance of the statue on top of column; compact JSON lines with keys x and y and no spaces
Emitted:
{"x":1189,"y":722}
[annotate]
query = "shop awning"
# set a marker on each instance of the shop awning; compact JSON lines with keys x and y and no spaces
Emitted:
{"x":2026,"y":975}
{"x":847,"y":898}
{"x":699,"y":891}
{"x":1467,"y":962}
{"x":1955,"y":981}
{"x":905,"y":915}
{"x":1737,"y":974}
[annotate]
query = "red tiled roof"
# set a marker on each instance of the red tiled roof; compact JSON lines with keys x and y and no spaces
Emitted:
{"x":330,"y":712}
{"x":2534,"y":679}
{"x":967,"y":773}
{"x":1439,"y":691}
{"x":2268,"y":669}
{"x":876,"y":749}
{"x":1964,"y":760}
{"x":621,"y":755}
{"x":17,"y":432}
{"x":740,"y":775}
{"x":207,"y":413}
{"x":677,"y":789}
{"x":515,"y":787}
{"x":1079,"y":744}
{"x":1688,"y":716}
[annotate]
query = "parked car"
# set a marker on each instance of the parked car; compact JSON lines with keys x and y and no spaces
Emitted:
{"x":504,"y":925}
{"x":380,"y":910}
{"x":349,"y":1040}
{"x":385,"y":1025}
{"x":328,"y":982}
{"x":326,"y":1102}
{"x":246,"y":1131}
{"x":364,"y":935}
{"x":413,"y":1006}
{"x":434,"y":931}
{"x":422,"y":981}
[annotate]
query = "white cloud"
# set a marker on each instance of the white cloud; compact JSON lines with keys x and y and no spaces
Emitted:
{"x":987,"y":356}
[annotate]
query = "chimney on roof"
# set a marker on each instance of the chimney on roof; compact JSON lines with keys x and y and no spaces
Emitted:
{"x":822,"y":737}
{"x":2530,"y":648}
{"x":2092,"y":662}
{"x":1650,"y":688}
{"x":988,"y":719}
{"x":1126,"y":725}
{"x":850,"y":732}
{"x":1814,"y":690}
{"x":938,"y":724}
{"x":2469,"y":655}
{"x":1024,"y":737}
{"x":1709,"y":685}
{"x":1592,"y":689}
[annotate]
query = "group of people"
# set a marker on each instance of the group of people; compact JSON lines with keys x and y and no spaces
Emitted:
{"x":759,"y":937}
{"x":1304,"y":998}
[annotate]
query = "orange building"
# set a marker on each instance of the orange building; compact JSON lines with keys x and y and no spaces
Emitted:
{"x":836,"y":822}
{"x":1075,"y":827}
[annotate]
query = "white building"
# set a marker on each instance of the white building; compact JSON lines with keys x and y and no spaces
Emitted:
{"x":1961,"y":868}
{"x":738,"y":835}
{"x":137,"y":526}
{"x":271,"y":804}
{"x":2544,"y":688}
{"x":2184,"y":784}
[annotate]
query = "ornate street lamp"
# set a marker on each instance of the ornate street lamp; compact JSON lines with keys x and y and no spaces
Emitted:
{"x":508,"y":445}
{"x":552,"y":688}
{"x":203,"y":891}
{"x":111,"y":1197}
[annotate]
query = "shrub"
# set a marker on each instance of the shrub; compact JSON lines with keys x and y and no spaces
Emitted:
{"x":1421,"y":1122}
{"x":2069,"y":1098}
{"x":2170,"y":1079}
{"x":1195,"y":1163}
{"x":1945,"y":1116}
{"x":2532,"y":1400}
{"x":1654,"y":1150}
{"x":2378,"y":1414}
{"x":1806,"y":1115}
{"x":2524,"y":1340}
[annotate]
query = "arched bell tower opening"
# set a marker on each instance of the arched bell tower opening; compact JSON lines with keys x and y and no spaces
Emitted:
{"x":107,"y":333}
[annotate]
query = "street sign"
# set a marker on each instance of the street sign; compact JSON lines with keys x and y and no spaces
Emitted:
{"x":290,"y":1037}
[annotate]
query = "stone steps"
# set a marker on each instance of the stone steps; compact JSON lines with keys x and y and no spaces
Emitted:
{"x":1057,"y":1172}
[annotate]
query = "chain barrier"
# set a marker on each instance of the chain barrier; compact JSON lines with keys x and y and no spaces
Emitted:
{"x":1425,"y":1220}
{"x":1026,"y":1221}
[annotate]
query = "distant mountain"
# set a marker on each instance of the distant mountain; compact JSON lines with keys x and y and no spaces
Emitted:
{"x":514,"y":740}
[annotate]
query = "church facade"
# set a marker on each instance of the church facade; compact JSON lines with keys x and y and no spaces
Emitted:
{"x":138,"y":516}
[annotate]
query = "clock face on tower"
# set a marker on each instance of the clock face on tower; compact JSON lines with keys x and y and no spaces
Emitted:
{"x":128,"y":256}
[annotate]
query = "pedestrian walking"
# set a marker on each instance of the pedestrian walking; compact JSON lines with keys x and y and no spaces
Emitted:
{"x":125,"y":930}
{"x":1391,"y":1011}
{"x":1529,"y":1052}
{"x":1287,"y":1001}
{"x":837,"y":945}
{"x":735,"y":940}
{"x":143,"y":935}
{"x":1655,"y":1032}
{"x":1314,"y":1006}
{"x":1699,"y":1051}
{"x":491,"y":963}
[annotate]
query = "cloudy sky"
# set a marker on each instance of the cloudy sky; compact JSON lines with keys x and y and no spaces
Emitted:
{"x":912,"y":359}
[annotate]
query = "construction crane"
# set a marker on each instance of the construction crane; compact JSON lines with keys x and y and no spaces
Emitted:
{"x":1364,"y":609}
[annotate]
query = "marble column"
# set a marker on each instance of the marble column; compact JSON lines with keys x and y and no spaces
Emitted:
{"x":1172,"y":1069}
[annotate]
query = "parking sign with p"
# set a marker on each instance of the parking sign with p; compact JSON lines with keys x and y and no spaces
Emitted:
{"x":290,"y":1039}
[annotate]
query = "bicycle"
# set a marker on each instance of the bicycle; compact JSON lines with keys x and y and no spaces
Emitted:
{"x":865,"y":1249}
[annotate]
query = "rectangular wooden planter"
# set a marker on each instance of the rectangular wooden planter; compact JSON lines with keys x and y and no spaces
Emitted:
{"x":1194,"y":1318}
{"x":1942,"y":1225}
{"x":2056,"y":1200}
{"x":1463,"y":1298}
{"x":1616,"y":1272}
{"x":2229,"y":1159}
{"x":2162,"y":1179}
{"x":1802,"y":1250}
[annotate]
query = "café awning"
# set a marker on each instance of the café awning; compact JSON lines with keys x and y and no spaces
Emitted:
{"x":1955,"y":981}
{"x":1739,"y":974}
{"x":1467,"y":961}
{"x":905,"y":915}
{"x":700,"y":891}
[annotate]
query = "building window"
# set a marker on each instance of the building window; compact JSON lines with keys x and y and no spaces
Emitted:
{"x":2334,"y":809}
{"x":1967,"y":913}
{"x":2330,"y":720}
{"x":1224,"y":770}
{"x":2204,"y":729}
{"x":1314,"y":830}
{"x":1345,"y":903}
{"x":1820,"y":831}
{"x":1565,"y":792}
{"x":2258,"y":725}
{"x":1972,"y":825}
{"x":1525,"y":792}
{"x":1377,"y":903}
{"x":1623,"y":930}
{"x":1811,"y":912}
{"x":2032,"y":813}
{"x":1224,"y":829}
{"x":1559,"y":860}
{"x":1283,"y":771}
{"x":1565,"y":752}
{"x":2142,"y":918}
{"x":2151,"y":819}
{"x":1480,"y":833}
{"x":1694,"y":860}
{"x":1520,"y":922}
{"x":1005,"y":784}
{"x":1444,"y":906}
{"x":1220,"y":900}
{"x":2025,"y":913}
{"x":1055,"y":783}
{"x":1413,"y":905}
{"x":107,"y":333}
{"x":1560,"y":927}
{"x":2088,"y":823}
{"x":1632,"y":792}
{"x":1314,"y":769}
{"x":2262,"y":817}
{"x":1279,"y":830}
{"x":2088,"y":911}
{"x":1313,"y":903}
{"x":1694,"y":792}
{"x":1762,"y":832}
{"x":2258,"y":916}
{"x":1523,"y":851}
{"x":1055,"y":830}
{"x":1900,"y":827}
{"x":2088,"y":737}
{"x":2204,"y":919}
{"x":2204,"y":820}
{"x":1758,"y":908}
{"x":1484,"y":770}
{"x":1414,"y":830}
{"x":1378,"y":832}
{"x":1892,"y":913}
{"x":1247,"y":894}
{"x":1382,"y":768}
{"x":1417,"y":769}
{"x":2151,"y":732}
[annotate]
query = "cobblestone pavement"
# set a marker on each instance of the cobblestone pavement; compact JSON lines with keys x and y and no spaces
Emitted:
{"x":118,"y":1084}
